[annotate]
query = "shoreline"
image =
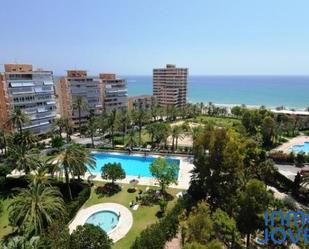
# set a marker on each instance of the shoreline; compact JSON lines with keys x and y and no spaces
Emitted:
{"x":272,"y":108}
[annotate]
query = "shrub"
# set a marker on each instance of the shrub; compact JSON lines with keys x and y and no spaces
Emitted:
{"x":78,"y":202}
{"x":108,"y":189}
{"x":289,"y":203}
{"x":131,"y":190}
{"x":156,"y":235}
{"x":56,"y":236}
{"x":150,"y":198}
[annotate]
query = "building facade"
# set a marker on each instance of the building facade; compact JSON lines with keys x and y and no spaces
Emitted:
{"x":170,"y":85}
{"x":30,"y":90}
{"x":145,"y":102}
{"x":114,"y":92}
{"x":78,"y":84}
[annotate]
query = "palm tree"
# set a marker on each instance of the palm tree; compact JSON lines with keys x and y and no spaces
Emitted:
{"x":36,"y":207}
{"x":124,"y":119}
{"x":75,"y":160}
{"x":152,"y":129}
{"x":162,"y":134}
{"x":80,"y":105}
{"x":140,"y":117}
{"x":60,"y":124}
{"x":92,"y":129}
{"x":18,"y":118}
{"x":154,"y":112}
{"x":21,"y":242}
{"x":27,"y":138}
{"x":68,"y":127}
{"x":131,"y":138}
{"x":21,"y":158}
{"x":112,"y":121}
{"x":176,"y":132}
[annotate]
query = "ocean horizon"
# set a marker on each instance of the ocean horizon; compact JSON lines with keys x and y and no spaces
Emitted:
{"x":269,"y":91}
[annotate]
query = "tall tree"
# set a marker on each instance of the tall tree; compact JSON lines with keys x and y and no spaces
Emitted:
{"x":35,"y":208}
{"x":60,"y":124}
{"x":92,"y":127}
{"x":111,"y":119}
{"x":140,"y":118}
{"x":217,"y":168}
{"x":268,"y":130}
{"x":164,"y":172}
{"x":73,"y":159}
{"x":176,"y":132}
{"x":80,"y":105}
{"x":124,"y":120}
{"x":21,"y":158}
{"x":253,"y":202}
{"x":113,"y":171}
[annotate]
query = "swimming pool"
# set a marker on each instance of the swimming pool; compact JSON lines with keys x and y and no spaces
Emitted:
{"x":133,"y":165}
{"x":301,"y":148}
{"x":106,"y":219}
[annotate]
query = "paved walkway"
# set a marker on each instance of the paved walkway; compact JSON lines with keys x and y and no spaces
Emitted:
{"x":289,"y":171}
{"x":299,"y":140}
{"x":125,"y":220}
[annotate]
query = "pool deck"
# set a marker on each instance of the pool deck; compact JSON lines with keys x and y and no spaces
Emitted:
{"x":299,"y":140}
{"x":184,"y":175}
{"x":125,"y":220}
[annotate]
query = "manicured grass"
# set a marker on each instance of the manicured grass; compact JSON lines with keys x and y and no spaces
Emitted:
{"x":142,"y":217}
{"x":5,"y":229}
{"x":220,"y":121}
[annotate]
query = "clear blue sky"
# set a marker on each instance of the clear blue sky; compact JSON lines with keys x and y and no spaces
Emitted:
{"x":133,"y":36}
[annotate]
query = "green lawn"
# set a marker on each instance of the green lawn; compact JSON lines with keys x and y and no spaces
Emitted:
{"x":143,"y":217}
{"x":220,"y":121}
{"x":5,"y":229}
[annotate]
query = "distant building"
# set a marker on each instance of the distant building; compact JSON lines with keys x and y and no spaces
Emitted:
{"x":30,"y":90}
{"x":114,"y":92}
{"x":170,"y":85}
{"x":78,"y":84}
{"x":144,"y":102}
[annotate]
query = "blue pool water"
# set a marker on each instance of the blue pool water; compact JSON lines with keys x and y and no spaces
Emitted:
{"x":107,"y":220}
{"x":132,"y":165}
{"x":301,"y":148}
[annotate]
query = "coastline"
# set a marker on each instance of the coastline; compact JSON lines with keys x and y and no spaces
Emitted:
{"x":273,"y":108}
{"x":228,"y":91}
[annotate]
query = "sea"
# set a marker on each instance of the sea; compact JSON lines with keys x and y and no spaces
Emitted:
{"x":291,"y":92}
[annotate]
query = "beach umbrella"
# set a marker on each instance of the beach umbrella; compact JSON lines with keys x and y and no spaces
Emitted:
{"x":91,"y":177}
{"x":134,"y":182}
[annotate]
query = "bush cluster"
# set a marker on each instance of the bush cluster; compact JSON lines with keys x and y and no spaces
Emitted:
{"x":108,"y":189}
{"x":280,"y":157}
{"x":78,"y":202}
{"x":156,"y":235}
{"x":149,"y":198}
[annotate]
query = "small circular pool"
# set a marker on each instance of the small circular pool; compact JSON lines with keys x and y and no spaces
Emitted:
{"x":105,"y":219}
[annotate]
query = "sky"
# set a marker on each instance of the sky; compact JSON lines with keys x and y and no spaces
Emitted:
{"x":131,"y":37}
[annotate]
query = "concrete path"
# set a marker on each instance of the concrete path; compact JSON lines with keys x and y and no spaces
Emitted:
{"x":124,"y":224}
{"x":289,"y":171}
